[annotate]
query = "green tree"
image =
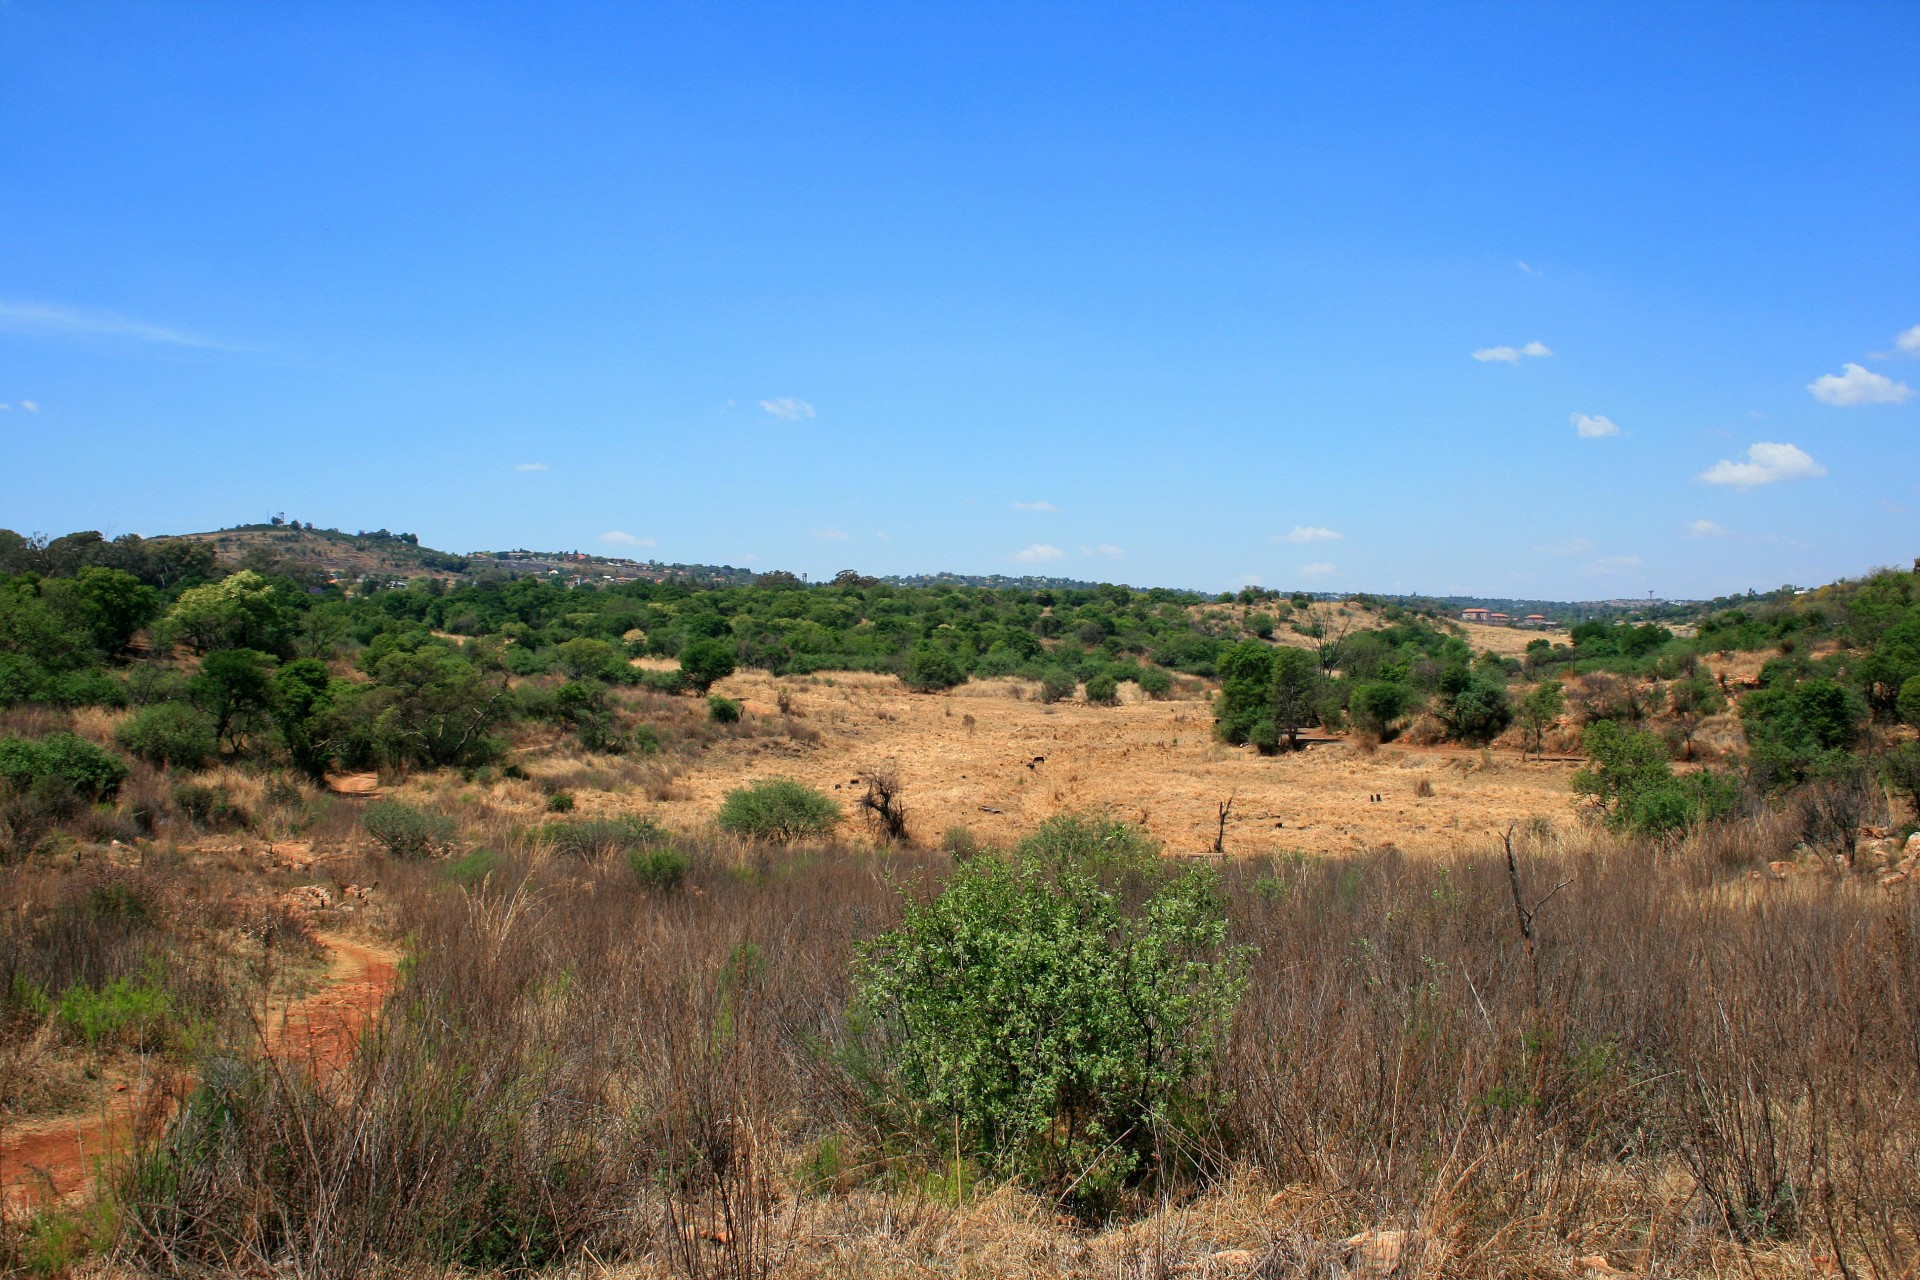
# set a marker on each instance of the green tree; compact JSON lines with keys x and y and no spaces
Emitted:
{"x":1374,"y":707}
{"x":1632,"y":783}
{"x":705,"y":662}
{"x":1294,"y":696}
{"x":584,"y":658}
{"x":116,"y":605}
{"x":300,"y":701}
{"x":241,"y":611}
{"x":1540,"y":708}
{"x":1103,"y":690}
{"x":1907,"y":705}
{"x":1473,"y":704}
{"x":234,"y":687}
{"x":426,"y":707}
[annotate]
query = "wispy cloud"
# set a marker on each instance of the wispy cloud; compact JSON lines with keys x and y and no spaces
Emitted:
{"x":831,"y":535}
{"x":1530,"y":270}
{"x":1705,"y":529}
{"x":531,"y":466}
{"x":1106,"y":549}
{"x":1512,"y":355}
{"x":789,"y":409}
{"x":1038,"y":553}
{"x":50,"y":321}
{"x":1908,"y":343}
{"x":1614,"y":564}
{"x":1855,"y":384}
{"x":1765,"y":464}
{"x":619,"y":539}
{"x":1571,"y":547}
{"x":1310,"y":533}
{"x":30,"y":406}
{"x":1593,"y":426}
{"x":1034,"y":506}
{"x":1318,"y":569}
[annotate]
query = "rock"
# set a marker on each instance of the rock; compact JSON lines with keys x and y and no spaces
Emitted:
{"x":1894,"y":880}
{"x":1875,"y":852}
{"x":1596,"y":1264}
{"x":1377,"y":1253}
{"x":1913,"y":845}
{"x":1780,"y":870}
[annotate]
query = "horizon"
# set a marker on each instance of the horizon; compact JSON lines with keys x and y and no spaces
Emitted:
{"x":1489,"y":303}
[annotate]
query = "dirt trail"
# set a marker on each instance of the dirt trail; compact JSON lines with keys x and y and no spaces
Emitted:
{"x":55,"y":1159}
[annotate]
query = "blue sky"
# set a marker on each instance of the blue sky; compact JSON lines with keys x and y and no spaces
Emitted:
{"x":1179,"y":294}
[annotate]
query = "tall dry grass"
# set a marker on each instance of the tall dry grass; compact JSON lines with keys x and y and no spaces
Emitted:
{"x":1689,"y":1071}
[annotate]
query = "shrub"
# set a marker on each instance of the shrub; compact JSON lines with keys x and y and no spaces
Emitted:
{"x":472,"y":868}
{"x":722,"y":710}
{"x":1056,"y":685}
{"x":780,"y":810}
{"x":169,"y":734}
{"x":206,"y":804}
{"x":589,"y":838}
{"x":405,"y":831}
{"x":1907,"y":704}
{"x":133,"y":1013}
{"x":560,"y":802}
{"x":1155,"y":682}
{"x":660,"y":868}
{"x":1634,"y":786}
{"x":1374,"y":707}
{"x":63,"y":760}
{"x":931,"y":669}
{"x":1474,"y":705}
{"x":1056,"y":1008}
{"x":644,"y":739}
{"x":1103,"y":690}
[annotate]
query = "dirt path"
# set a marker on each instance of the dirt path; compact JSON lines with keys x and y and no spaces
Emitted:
{"x":55,"y":1159}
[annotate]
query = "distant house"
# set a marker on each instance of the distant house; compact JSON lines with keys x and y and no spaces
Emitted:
{"x":1500,"y":620}
{"x":1475,"y":614}
{"x":1535,"y":622}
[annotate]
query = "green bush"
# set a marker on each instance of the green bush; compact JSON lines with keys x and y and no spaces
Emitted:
{"x":723,"y":710}
{"x":1057,"y":685}
{"x":1632,"y":783}
{"x":660,"y":868}
{"x":931,"y":669}
{"x":1103,"y":690}
{"x":589,"y":838}
{"x":780,"y":810}
{"x":1058,"y":1007}
{"x":471,"y":868}
{"x":560,"y":802}
{"x":169,"y":734}
{"x":644,"y":739}
{"x":1155,"y":683}
{"x":63,"y":759}
{"x":1374,"y":707}
{"x":122,"y":1012}
{"x":206,"y":804}
{"x":406,"y":832}
{"x":1907,"y":704}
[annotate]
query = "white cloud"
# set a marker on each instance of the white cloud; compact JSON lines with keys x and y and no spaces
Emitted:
{"x":43,"y":320}
{"x":883,"y":535}
{"x":1858,"y":385}
{"x":1532,"y":271}
{"x":5,"y":407}
{"x":1909,"y":341}
{"x":1110,"y":551}
{"x":1318,"y":568}
{"x":1765,"y":464}
{"x":1571,"y":547}
{"x":620,"y":539}
{"x":1592,"y":427}
{"x":1311,"y":533}
{"x":831,"y":535}
{"x":30,"y":406}
{"x":1512,"y":355}
{"x":1038,"y":553}
{"x":788,"y":409}
{"x":1705,"y":529}
{"x":1034,"y":506}
{"x":530,"y":466}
